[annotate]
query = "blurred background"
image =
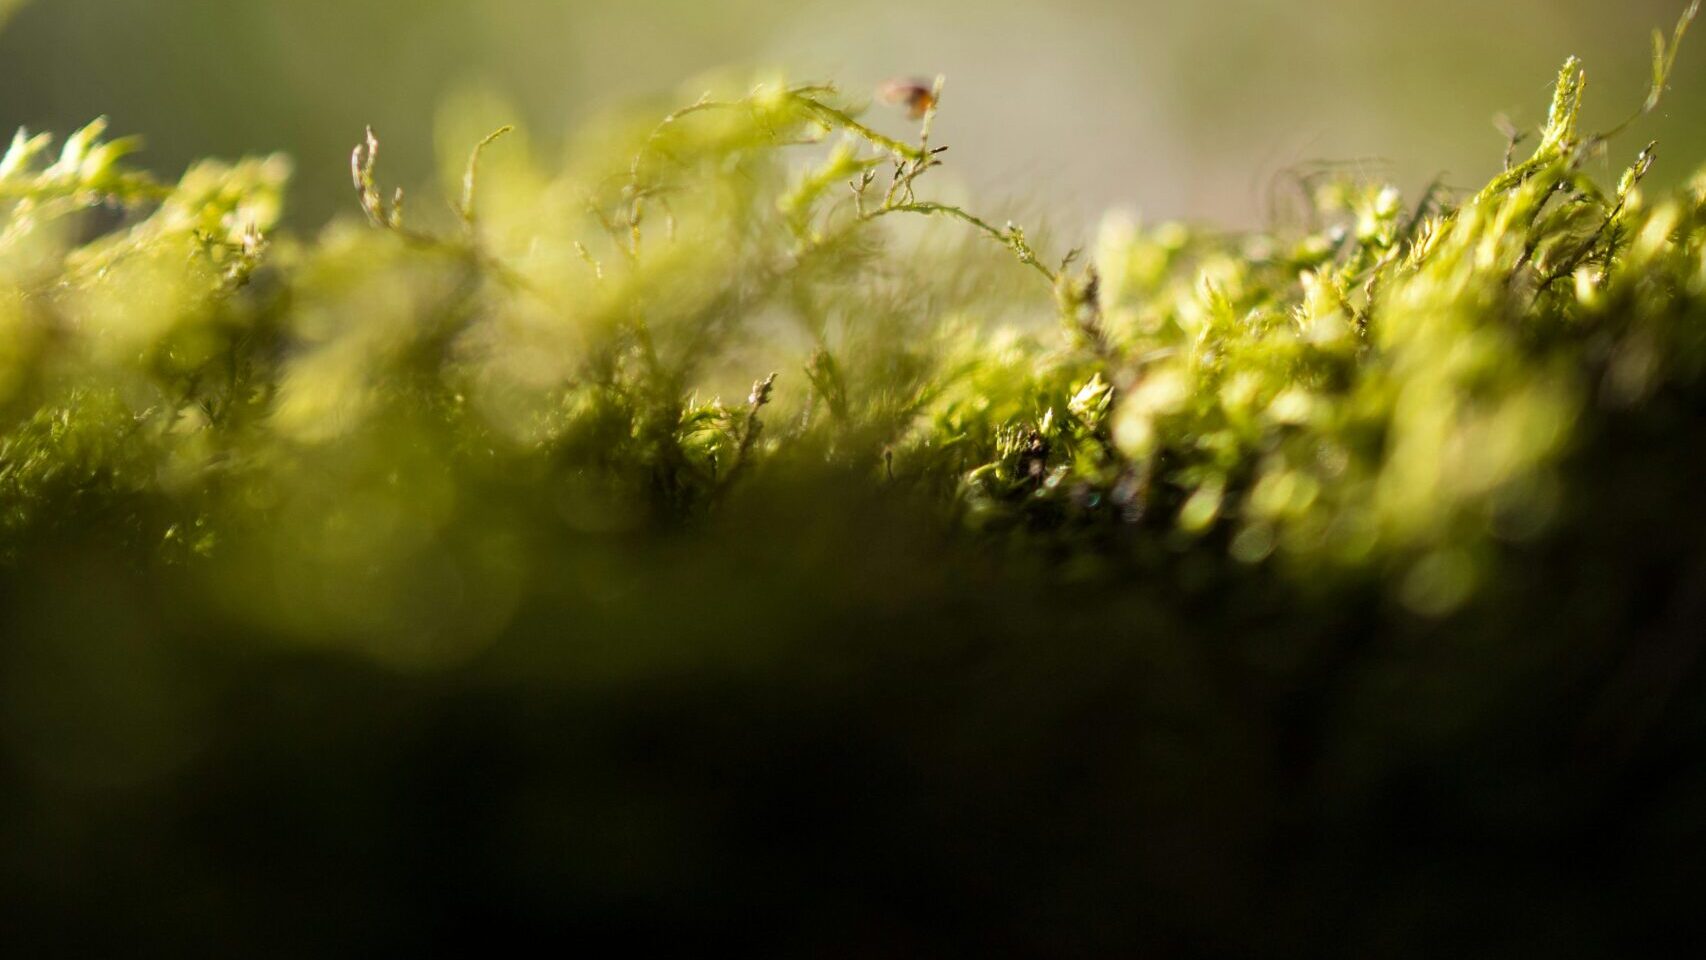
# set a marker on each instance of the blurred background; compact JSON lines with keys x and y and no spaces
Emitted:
{"x":1166,"y":109}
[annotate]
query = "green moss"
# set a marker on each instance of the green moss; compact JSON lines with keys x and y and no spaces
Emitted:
{"x":1390,"y":394}
{"x":1363,"y":555}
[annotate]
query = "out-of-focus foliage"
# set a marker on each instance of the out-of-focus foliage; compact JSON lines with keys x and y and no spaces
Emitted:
{"x":731,"y":403}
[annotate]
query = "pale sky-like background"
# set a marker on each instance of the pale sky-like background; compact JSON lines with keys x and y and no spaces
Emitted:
{"x":1168,"y":109}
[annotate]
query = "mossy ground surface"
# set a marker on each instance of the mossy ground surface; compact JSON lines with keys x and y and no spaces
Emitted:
{"x":718,"y":535}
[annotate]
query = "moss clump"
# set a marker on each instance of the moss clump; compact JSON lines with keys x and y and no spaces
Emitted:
{"x":1267,"y":541}
{"x":1391,"y":393}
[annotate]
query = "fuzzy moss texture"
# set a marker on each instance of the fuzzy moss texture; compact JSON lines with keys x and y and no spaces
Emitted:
{"x":1192,"y":591}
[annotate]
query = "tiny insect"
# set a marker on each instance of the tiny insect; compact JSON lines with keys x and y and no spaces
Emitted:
{"x":917,"y":96}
